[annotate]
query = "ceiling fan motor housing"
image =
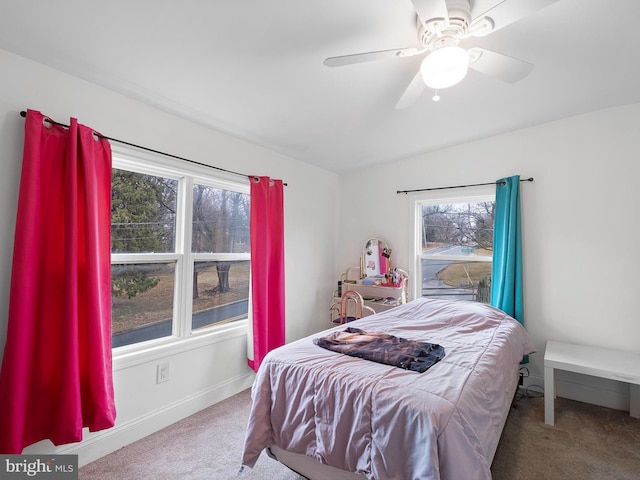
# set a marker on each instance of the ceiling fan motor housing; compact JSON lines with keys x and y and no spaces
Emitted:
{"x":439,"y":32}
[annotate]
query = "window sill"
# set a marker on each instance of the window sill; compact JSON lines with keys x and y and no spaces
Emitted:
{"x":126,"y":357}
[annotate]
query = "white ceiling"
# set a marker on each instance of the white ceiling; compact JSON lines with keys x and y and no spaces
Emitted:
{"x":253,"y":68}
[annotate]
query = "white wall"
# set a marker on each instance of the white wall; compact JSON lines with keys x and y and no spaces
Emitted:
{"x":581,"y":233}
{"x":211,"y":368}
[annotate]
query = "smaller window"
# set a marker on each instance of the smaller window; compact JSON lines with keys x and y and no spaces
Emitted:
{"x":455,"y":248}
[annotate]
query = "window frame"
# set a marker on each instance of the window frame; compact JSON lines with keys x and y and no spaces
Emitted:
{"x":186,"y":174}
{"x":435,"y":197}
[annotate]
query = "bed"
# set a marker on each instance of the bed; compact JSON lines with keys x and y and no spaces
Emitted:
{"x":329,"y":415}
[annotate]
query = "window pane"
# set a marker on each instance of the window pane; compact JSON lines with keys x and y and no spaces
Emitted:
{"x":457,"y":247}
{"x":458,"y":229}
{"x":143,"y":213}
{"x":456,"y":280}
{"x":142,"y":302}
{"x":220,"y":292}
{"x":220,"y":220}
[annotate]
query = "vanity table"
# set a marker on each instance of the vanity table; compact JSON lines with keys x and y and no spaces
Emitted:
{"x":382,"y":287}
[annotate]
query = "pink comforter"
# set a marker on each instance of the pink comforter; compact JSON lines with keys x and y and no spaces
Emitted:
{"x":389,"y":423}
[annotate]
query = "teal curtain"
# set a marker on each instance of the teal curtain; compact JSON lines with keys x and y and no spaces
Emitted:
{"x":506,"y":274}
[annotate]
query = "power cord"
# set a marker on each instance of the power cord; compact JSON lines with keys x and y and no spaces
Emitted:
{"x":531,"y":391}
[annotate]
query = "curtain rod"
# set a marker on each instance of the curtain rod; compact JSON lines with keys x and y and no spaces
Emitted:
{"x":530,"y":179}
{"x":23,"y":114}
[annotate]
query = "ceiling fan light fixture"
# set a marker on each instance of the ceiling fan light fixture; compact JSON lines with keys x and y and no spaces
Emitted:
{"x":445,"y":67}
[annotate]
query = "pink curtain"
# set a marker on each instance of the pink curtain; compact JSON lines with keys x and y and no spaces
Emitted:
{"x":56,"y":373}
{"x":267,"y":267}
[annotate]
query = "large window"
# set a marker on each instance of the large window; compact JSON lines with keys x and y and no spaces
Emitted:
{"x":179,"y":253}
{"x":454,"y":247}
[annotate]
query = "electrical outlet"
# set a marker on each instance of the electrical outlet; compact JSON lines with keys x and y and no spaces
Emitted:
{"x":162,"y":373}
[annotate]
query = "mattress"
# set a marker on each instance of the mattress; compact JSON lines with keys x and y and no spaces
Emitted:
{"x":384,"y":422}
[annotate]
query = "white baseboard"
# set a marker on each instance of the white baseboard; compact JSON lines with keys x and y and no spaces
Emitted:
{"x":99,"y":444}
{"x":585,"y":388}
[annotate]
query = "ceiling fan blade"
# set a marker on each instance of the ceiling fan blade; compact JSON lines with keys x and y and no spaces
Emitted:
{"x":507,"y":69}
{"x":370,"y":56}
{"x":505,"y":13}
{"x":431,"y":10}
{"x":412,"y":93}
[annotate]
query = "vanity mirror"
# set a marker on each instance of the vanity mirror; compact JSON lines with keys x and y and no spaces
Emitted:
{"x":376,"y":258}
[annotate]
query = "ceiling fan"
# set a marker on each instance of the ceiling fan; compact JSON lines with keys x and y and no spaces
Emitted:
{"x":441,"y":26}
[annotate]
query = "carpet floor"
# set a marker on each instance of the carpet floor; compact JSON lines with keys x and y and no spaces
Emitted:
{"x":587,"y":443}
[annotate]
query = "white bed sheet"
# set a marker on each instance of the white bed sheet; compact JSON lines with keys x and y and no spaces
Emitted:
{"x":385,"y":422}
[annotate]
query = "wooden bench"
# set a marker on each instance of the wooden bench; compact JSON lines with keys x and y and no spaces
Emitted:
{"x":599,"y":362}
